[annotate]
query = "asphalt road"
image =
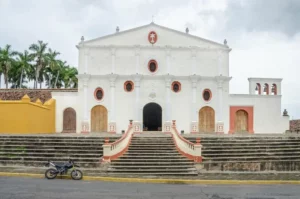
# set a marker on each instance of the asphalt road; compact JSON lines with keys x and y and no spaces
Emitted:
{"x":28,"y":188}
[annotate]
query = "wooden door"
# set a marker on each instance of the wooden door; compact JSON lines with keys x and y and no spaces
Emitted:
{"x":99,"y":119}
{"x":207,"y":120}
{"x":69,"y":121}
{"x":241,"y":121}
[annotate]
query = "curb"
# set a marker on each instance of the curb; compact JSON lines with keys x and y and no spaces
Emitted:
{"x":160,"y":181}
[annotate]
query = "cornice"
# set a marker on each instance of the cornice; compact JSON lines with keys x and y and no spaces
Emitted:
{"x":254,"y":96}
{"x":193,"y":49}
{"x":159,"y":77}
{"x":264,"y":79}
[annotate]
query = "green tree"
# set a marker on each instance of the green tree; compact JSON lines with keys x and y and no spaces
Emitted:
{"x":24,"y":62}
{"x":6,"y":61}
{"x":53,"y":68}
{"x":69,"y":77}
{"x":40,"y":56}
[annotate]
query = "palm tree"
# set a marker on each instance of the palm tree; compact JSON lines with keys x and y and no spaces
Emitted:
{"x":40,"y":55}
{"x":6,"y":61}
{"x":53,"y":68}
{"x":24,"y":60}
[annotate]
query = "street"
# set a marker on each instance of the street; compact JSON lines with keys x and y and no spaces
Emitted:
{"x":29,"y":188}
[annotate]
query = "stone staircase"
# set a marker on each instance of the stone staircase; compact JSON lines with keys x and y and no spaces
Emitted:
{"x":152,"y":154}
{"x":37,"y":150}
{"x":250,"y":153}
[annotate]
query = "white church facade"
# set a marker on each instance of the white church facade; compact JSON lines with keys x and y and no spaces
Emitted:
{"x":153,"y":75}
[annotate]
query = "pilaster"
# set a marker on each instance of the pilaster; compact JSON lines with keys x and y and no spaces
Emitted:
{"x":168,"y":79}
{"x":137,"y":79}
{"x":112,"y":123}
{"x":113,"y":59}
{"x":168,"y":57}
{"x":137,"y":59}
{"x":194,"y":111}
{"x":85,"y":123}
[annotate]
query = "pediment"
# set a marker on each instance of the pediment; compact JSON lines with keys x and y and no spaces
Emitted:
{"x":144,"y":36}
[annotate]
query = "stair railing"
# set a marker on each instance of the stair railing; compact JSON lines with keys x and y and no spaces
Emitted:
{"x":185,"y":147}
{"x":114,"y":150}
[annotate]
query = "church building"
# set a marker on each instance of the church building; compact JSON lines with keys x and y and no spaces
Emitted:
{"x":152,"y":75}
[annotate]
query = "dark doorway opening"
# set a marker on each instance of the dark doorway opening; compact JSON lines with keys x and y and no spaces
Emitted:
{"x":152,"y":117}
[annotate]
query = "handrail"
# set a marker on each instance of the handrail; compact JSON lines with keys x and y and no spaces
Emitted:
{"x":114,"y":144}
{"x":183,"y":139}
{"x":114,"y":150}
{"x":185,"y":147}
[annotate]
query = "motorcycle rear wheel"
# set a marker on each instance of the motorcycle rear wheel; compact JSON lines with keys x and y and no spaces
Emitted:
{"x":76,"y":174}
{"x":50,"y":173}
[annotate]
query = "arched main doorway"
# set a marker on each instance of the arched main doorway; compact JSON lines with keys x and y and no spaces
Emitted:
{"x":98,"y":119}
{"x":207,"y":120}
{"x":152,"y":117}
{"x":241,"y":121}
{"x":69,"y":120}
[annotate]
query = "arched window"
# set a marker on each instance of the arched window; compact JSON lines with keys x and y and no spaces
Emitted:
{"x":152,"y":66}
{"x":99,"y":94}
{"x":258,"y":89}
{"x":266,"y":89}
{"x":176,"y":87}
{"x":207,"y":95}
{"x":128,"y":86}
{"x":274,"y":89}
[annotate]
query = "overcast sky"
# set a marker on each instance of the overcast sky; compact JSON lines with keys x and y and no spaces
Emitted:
{"x":264,"y":34}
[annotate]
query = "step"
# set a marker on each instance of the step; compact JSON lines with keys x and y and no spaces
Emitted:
{"x":157,"y":157}
{"x":153,"y":174}
{"x":48,"y":143}
{"x":150,"y":166}
{"x":247,"y":150}
{"x":175,"y":153}
{"x":153,"y":150}
{"x":252,"y":158}
{"x":151,"y":161}
{"x":243,"y":147}
{"x":42,"y":163}
{"x":79,"y":151}
{"x":38,"y":158}
{"x":22,"y":147}
{"x":251,"y":144}
{"x":12,"y":154}
{"x":160,"y":170}
{"x":251,"y":154}
{"x":248,"y":161}
{"x":124,"y":163}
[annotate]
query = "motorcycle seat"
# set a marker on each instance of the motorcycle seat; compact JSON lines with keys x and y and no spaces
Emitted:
{"x":60,"y":164}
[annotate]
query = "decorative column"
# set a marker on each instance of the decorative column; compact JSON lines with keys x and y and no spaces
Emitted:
{"x":137,"y":125}
{"x":85,"y":123}
{"x":220,"y":122}
{"x":194,"y":111}
{"x":86,"y":60}
{"x":167,"y":122}
{"x":137,"y":59}
{"x":194,"y":53}
{"x":168,"y":55}
{"x":220,"y":60}
{"x":113,"y":59}
{"x":112,"y":118}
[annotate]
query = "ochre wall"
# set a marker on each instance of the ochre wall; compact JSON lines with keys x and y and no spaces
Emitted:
{"x":27,"y":117}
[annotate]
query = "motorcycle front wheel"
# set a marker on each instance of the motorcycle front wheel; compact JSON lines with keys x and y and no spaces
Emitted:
{"x":76,"y":174}
{"x":50,"y":173}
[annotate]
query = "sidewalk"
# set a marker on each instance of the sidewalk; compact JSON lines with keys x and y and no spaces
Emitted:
{"x":202,"y":178}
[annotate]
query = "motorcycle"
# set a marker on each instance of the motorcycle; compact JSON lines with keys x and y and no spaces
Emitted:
{"x":63,"y":168}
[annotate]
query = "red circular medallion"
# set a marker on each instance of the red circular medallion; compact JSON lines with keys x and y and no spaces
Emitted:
{"x":152,"y":37}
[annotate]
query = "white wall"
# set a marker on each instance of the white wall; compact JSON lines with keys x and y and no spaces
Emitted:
{"x":65,"y":100}
{"x":267,"y":112}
